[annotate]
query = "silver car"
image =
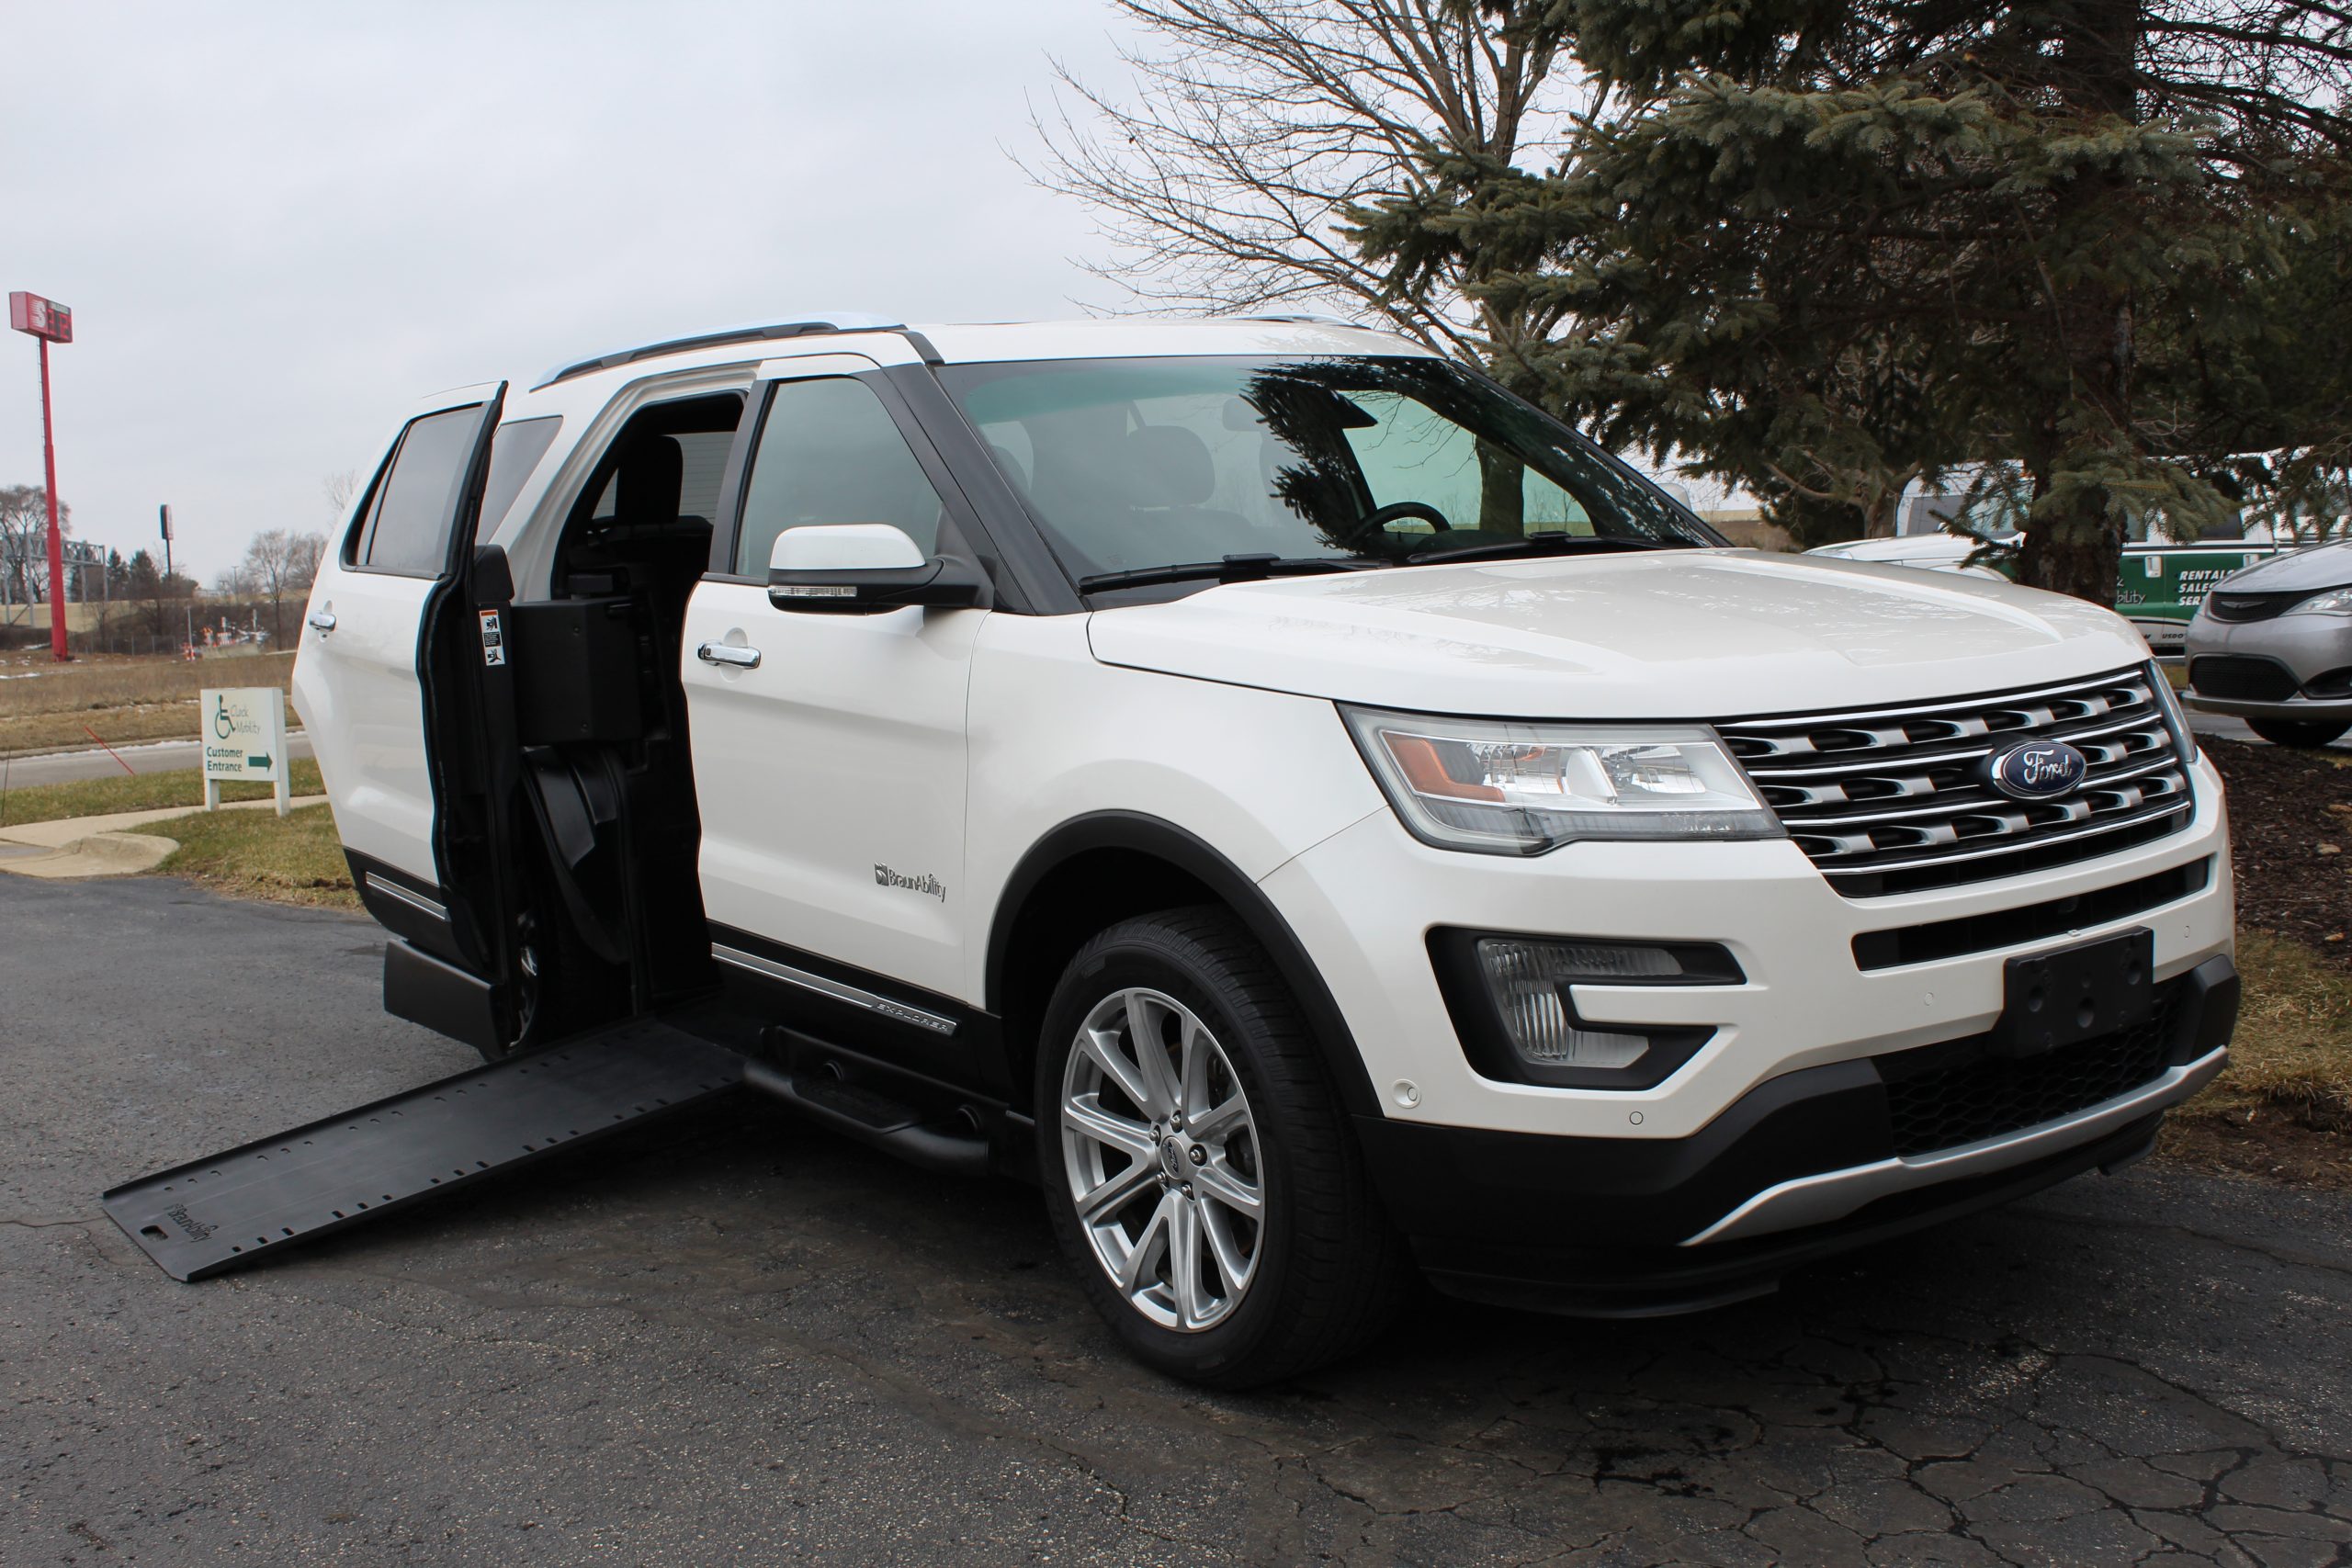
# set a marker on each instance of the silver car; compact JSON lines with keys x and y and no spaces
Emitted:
{"x":2273,"y":645}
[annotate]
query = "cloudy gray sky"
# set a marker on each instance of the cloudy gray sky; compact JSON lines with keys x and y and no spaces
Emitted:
{"x":279,"y":224}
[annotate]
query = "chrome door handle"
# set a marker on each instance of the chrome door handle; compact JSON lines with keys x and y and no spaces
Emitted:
{"x":323,"y":620}
{"x":728,"y":653}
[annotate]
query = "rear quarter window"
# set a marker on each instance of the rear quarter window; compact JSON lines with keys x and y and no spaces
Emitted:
{"x":514,"y":452}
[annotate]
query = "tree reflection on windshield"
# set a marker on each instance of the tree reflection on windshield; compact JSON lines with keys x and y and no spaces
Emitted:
{"x":1137,"y":463}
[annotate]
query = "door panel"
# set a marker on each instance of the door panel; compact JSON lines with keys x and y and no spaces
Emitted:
{"x":831,"y":779}
{"x":356,"y":690}
{"x":356,"y":669}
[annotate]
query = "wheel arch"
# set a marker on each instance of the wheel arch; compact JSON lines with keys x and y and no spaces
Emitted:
{"x":1149,"y":863}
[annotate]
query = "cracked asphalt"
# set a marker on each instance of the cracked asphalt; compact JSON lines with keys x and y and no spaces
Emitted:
{"x":733,"y":1337}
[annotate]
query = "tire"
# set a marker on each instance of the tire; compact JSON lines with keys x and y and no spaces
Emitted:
{"x":1320,"y":1270}
{"x":2296,"y":731}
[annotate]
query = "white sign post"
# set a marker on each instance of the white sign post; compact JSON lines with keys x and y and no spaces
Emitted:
{"x":245,"y":737}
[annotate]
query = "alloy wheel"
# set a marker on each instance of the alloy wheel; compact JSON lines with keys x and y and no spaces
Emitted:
{"x":1162,"y":1158}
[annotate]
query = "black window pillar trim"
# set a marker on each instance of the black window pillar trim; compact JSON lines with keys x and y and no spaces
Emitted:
{"x":1165,"y":840}
{"x":1025,"y":561}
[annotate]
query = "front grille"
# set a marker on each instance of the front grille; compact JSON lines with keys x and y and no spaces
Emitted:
{"x":2254,"y":606}
{"x":2035,"y":922}
{"x":1894,"y":800}
{"x":2242,"y":675}
{"x":1937,"y":1102}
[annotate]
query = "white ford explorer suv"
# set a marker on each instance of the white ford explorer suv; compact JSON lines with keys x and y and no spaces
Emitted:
{"x":1312,"y":812}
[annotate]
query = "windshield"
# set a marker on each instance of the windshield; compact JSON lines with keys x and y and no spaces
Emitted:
{"x":1137,"y":463}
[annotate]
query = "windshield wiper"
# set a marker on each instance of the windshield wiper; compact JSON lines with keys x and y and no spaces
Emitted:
{"x":1549,"y":544}
{"x":1232,"y":569}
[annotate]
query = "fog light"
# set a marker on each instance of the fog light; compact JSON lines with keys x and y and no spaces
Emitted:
{"x":1514,"y":1011}
{"x":1530,"y":981}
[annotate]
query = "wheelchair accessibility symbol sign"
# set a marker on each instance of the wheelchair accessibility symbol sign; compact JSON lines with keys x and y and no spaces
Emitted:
{"x":245,"y":737}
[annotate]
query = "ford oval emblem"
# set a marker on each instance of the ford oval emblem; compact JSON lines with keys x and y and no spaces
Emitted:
{"x":2038,"y":770}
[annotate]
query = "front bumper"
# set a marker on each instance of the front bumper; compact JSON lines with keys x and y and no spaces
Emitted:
{"x":1806,"y":1165}
{"x":2301,"y":710}
{"x":2313,"y":652}
{"x":1364,"y":901}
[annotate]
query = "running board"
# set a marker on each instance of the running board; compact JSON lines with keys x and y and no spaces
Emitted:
{"x":875,"y":1119}
{"x":215,"y":1214}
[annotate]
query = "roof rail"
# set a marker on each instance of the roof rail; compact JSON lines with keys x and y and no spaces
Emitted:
{"x":830,"y":322}
{"x":1300,"y":317}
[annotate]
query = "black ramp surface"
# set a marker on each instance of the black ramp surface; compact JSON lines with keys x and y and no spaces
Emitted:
{"x":219,"y":1213}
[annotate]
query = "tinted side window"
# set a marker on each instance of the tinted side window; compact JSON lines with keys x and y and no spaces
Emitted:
{"x":830,"y":453}
{"x":410,"y":531}
{"x":702,"y":469}
{"x":514,"y":451}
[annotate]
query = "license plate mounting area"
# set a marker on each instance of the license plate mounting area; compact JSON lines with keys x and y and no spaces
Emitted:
{"x":2071,"y":994}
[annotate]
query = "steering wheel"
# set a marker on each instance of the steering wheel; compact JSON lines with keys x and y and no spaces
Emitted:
{"x":1382,"y":516}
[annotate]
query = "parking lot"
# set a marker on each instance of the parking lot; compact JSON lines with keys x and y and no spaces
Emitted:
{"x":735,"y":1337}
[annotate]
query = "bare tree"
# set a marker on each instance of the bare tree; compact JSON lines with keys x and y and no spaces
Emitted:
{"x":1229,"y":178}
{"x":24,"y":542}
{"x":303,"y":561}
{"x":277,"y":562}
{"x":340,"y":488}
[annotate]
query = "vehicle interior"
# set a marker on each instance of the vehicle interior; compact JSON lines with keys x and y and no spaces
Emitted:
{"x":600,"y":717}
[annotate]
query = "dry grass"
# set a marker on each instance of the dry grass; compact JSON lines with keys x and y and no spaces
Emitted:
{"x":2284,"y":1108}
{"x":52,"y":708}
{"x":38,"y":686}
{"x":296,"y":859}
{"x":135,"y":792}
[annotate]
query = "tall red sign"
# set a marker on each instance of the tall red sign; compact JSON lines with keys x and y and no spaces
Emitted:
{"x":51,"y":323}
{"x":44,"y":319}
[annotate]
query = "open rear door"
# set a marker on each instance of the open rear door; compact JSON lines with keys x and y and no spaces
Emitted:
{"x":403,"y":683}
{"x":473,"y":759}
{"x":359,"y":676}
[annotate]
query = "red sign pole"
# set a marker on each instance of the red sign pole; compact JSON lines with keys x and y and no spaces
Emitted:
{"x":51,"y":323}
{"x":56,"y":539}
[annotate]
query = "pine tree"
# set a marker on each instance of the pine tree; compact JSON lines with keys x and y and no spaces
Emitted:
{"x":1827,"y":247}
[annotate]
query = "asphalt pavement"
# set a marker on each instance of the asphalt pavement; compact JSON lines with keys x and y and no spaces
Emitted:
{"x":732,"y":1337}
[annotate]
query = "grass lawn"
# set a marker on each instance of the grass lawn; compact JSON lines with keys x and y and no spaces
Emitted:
{"x":2284,"y":1109}
{"x":134,"y":791}
{"x":295,"y":859}
{"x":57,"y":708}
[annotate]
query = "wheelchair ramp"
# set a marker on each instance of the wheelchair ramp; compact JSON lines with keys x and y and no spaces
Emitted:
{"x":215,"y":1214}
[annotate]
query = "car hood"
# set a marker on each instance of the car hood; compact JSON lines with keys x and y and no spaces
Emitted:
{"x":2323,"y":566}
{"x":1912,"y":549}
{"x":1691,"y":634}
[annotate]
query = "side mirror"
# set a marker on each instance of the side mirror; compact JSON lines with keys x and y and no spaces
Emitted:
{"x":859,"y":568}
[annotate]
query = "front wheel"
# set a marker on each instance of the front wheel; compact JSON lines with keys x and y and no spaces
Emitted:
{"x":1199,"y":1169}
{"x":2296,"y":731}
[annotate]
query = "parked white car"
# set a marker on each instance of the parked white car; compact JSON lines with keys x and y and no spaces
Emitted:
{"x":1310,"y":811}
{"x":2159,"y":586}
{"x":1937,"y":551}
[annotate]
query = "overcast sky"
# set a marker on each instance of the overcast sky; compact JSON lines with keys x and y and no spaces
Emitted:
{"x":279,"y":224}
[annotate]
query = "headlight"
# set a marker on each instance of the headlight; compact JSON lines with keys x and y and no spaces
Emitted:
{"x":1506,"y":788}
{"x":2334,"y":602}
